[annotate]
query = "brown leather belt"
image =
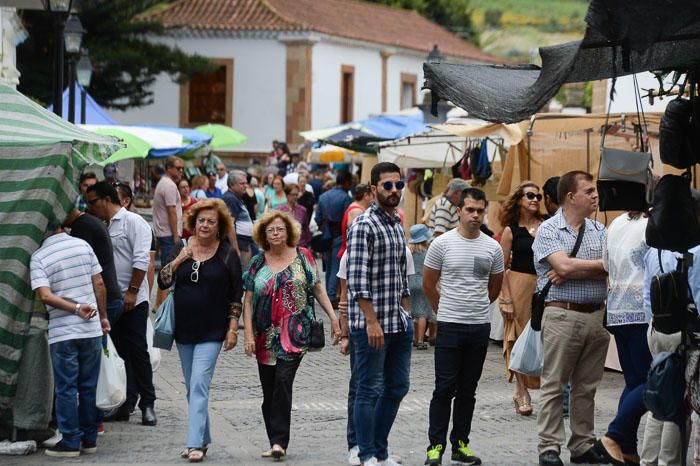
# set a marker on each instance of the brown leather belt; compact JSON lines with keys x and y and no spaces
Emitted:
{"x":578,"y":307}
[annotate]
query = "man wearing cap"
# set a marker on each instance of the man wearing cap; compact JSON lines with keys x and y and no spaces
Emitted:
{"x":444,"y":216}
{"x":110,"y":173}
{"x":212,"y":188}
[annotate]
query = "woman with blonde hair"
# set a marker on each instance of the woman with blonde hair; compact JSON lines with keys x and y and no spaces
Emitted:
{"x":206,"y":273}
{"x":278,"y":308}
{"x":521,"y":217}
{"x":199,"y":186}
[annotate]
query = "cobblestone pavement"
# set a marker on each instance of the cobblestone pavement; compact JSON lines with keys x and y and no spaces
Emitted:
{"x":319,"y":416}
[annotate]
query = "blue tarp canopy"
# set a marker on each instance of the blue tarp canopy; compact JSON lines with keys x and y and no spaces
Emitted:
{"x":94,"y":114}
{"x":393,"y":126}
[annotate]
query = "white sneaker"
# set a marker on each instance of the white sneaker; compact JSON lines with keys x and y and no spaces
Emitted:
{"x":353,"y":458}
{"x":50,"y":443}
{"x":372,"y":462}
{"x":390,"y":462}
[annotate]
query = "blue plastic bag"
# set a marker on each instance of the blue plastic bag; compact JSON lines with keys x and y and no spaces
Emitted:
{"x":527,"y":355}
{"x":164,"y":328}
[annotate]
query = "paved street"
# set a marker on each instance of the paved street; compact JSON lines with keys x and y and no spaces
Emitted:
{"x":318,"y":419}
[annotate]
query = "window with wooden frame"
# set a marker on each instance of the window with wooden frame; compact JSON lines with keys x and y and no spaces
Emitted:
{"x":347,"y":93}
{"x":208,"y":98}
{"x":408,"y":90}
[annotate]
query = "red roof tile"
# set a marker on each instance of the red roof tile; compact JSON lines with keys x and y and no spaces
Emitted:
{"x":351,"y":19}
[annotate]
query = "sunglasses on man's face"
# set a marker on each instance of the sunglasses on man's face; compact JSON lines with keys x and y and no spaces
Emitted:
{"x":531,"y":196}
{"x":388,"y":185}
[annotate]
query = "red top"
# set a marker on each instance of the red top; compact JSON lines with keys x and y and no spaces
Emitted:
{"x":344,"y":227}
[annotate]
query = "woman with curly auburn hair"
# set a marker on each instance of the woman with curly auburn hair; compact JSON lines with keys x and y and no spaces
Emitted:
{"x":278,"y":308}
{"x":206,"y":273}
{"x":521,"y":218}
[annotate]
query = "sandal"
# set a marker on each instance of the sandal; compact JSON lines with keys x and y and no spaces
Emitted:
{"x":186,"y":452}
{"x":196,"y":455}
{"x":421,"y":345}
{"x":522,"y":406}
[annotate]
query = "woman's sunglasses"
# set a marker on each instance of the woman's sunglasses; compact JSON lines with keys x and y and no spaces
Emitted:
{"x":531,"y":196}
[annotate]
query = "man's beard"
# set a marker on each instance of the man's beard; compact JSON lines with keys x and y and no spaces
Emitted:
{"x":390,"y":201}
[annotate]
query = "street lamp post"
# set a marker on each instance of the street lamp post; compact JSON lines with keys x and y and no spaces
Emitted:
{"x":60,"y":8}
{"x":84,"y":72}
{"x":72,"y":36}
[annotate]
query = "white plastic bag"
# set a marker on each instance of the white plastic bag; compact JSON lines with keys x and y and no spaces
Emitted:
{"x":153,"y":353}
{"x":111,"y":384}
{"x":527,"y":356}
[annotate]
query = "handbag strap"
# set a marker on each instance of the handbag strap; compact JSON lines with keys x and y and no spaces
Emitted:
{"x":577,"y":245}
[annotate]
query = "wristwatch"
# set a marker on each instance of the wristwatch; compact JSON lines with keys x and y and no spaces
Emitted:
{"x":77,"y":309}
{"x":133,"y":289}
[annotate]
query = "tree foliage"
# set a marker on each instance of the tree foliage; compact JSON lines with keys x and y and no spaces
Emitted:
{"x":125,"y":64}
{"x":454,"y":15}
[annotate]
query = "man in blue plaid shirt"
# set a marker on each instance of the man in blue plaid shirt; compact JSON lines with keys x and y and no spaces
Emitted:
{"x":381,"y":331}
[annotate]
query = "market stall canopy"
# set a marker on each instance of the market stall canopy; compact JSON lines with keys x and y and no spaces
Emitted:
{"x":94,"y":114}
{"x":431,"y":149}
{"x":328,"y":153}
{"x":41,"y":158}
{"x":511,"y":134}
{"x":222,"y":136}
{"x":622,"y":37}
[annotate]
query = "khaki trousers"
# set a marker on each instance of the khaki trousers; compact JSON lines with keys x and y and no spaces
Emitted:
{"x":575,"y":345}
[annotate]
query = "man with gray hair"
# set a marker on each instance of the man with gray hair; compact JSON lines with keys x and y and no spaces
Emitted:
{"x":444,"y":215}
{"x":242,"y":237}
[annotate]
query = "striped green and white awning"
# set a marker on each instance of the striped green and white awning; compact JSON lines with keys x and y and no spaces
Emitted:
{"x":41,"y":158}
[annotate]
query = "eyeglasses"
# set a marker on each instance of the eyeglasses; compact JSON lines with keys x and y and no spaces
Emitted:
{"x":388,"y":185}
{"x":471,"y":210}
{"x":273,"y":230}
{"x":530,"y":195}
{"x":194,"y":276}
{"x":92,"y":201}
{"x":180,"y":168}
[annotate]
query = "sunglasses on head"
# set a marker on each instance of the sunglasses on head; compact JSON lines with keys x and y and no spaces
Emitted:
{"x":388,"y":185}
{"x":530,"y":195}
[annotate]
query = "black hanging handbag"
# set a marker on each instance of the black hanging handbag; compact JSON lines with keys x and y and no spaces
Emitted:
{"x":678,"y":130}
{"x":539,"y":297}
{"x":621,"y":195}
{"x":317,"y":335}
{"x":673,"y":224}
{"x":624,"y":176}
{"x":669,"y":300}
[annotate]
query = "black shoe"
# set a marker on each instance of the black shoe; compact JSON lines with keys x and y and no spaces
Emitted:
{"x":60,"y":450}
{"x":120,"y":415}
{"x":550,"y":458}
{"x":591,"y":456}
{"x":599,"y":448}
{"x":88,"y":447}
{"x":148,"y":417}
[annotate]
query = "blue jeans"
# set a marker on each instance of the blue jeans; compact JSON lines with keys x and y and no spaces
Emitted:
{"x":460,"y":351}
{"x":635,"y":359}
{"x":352,"y":391}
{"x":76,"y":366}
{"x":166,"y":244}
{"x":382,"y":382}
{"x":332,"y":264}
{"x":198,"y":361}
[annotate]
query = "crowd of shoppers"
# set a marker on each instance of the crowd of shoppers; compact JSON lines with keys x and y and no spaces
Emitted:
{"x":248,"y":251}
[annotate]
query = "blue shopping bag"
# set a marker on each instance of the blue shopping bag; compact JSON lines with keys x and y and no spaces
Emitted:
{"x":164,"y":328}
{"x":527,"y":355}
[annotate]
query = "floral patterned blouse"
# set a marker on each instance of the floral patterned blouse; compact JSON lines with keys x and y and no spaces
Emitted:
{"x":283,"y":306}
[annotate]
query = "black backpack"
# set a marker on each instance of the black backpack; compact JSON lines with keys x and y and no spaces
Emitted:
{"x":665,"y":388}
{"x":679,"y":131}
{"x":669,"y":300}
{"x":673,"y":224}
